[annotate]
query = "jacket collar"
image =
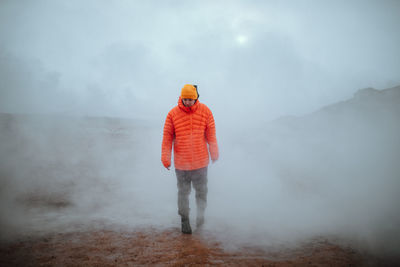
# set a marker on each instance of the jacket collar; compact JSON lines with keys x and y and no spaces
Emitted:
{"x":186,"y":109}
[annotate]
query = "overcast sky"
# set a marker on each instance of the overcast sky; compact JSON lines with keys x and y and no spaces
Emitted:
{"x":131,"y":58}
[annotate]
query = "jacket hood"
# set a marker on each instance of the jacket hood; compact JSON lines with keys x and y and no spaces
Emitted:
{"x":186,"y":109}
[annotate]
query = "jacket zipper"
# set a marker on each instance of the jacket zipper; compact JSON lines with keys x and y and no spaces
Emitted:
{"x":191,"y":137}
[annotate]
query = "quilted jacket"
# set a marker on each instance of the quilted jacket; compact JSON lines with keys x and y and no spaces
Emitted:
{"x":191,"y":132}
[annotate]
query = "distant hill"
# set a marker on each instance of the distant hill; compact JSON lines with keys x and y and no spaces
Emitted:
{"x":366,"y":104}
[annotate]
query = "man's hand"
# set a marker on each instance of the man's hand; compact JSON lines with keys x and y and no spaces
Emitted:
{"x":214,"y":160}
{"x":167,"y":164}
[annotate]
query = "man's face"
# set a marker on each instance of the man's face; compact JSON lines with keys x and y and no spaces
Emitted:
{"x":187,"y":102}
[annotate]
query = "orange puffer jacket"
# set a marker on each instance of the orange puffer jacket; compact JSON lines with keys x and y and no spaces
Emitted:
{"x":189,"y":129}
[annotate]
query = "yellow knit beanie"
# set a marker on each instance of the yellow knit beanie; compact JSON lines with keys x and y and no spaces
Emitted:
{"x":189,"y":91}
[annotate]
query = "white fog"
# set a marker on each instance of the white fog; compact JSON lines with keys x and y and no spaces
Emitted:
{"x":305,"y":96}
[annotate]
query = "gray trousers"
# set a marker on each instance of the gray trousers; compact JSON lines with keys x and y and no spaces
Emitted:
{"x":199,"y":180}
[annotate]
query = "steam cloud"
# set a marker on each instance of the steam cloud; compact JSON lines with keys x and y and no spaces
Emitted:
{"x":83,"y":97}
{"x":330,"y":173}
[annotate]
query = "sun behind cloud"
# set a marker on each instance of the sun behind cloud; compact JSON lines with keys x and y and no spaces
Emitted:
{"x":242,"y":39}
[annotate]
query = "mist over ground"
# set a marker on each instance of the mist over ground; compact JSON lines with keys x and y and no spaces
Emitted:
{"x":85,"y":89}
{"x":332,"y":173}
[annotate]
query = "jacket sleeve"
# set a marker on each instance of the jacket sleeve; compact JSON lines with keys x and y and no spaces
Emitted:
{"x":211,"y":137}
{"x":168,"y":137}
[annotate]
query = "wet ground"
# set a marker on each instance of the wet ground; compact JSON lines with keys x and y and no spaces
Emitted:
{"x":154,"y":247}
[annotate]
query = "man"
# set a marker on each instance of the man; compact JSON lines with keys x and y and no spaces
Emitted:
{"x":190,"y":127}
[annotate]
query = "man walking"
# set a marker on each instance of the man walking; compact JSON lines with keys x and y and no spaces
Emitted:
{"x":190,"y":128}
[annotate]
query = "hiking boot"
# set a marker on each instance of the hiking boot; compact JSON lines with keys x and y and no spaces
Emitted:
{"x":186,"y":229}
{"x":199,"y":221}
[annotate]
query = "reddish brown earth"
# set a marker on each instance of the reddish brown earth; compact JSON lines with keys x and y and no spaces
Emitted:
{"x":163,"y":248}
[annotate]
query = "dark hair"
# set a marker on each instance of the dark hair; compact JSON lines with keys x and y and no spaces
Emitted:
{"x":195,"y":86}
